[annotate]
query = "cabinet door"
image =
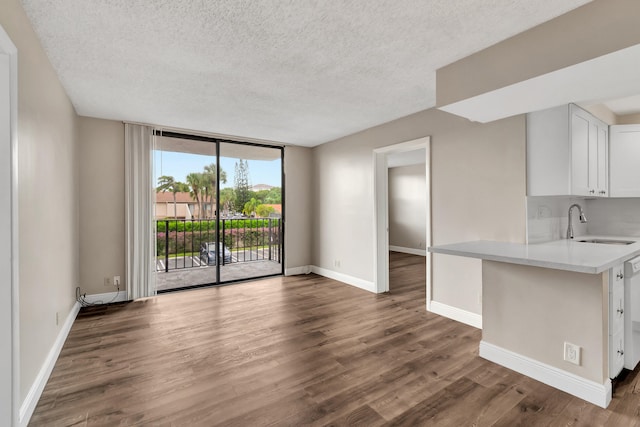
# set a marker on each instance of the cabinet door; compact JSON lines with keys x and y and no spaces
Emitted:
{"x":616,"y":354}
{"x":624,"y":146}
{"x":582,"y":175}
{"x":616,"y":308}
{"x":602,"y":172}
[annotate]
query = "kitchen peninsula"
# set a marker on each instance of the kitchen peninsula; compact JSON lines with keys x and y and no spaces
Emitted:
{"x":537,"y":298}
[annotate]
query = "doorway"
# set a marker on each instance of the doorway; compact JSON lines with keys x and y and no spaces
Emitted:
{"x":218,"y":211}
{"x":382,"y":158}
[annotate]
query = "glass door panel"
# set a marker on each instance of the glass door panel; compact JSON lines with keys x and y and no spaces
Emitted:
{"x":251,"y":211}
{"x":185,"y":213}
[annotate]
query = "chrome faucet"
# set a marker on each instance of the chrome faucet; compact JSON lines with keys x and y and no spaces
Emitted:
{"x":583,"y":219}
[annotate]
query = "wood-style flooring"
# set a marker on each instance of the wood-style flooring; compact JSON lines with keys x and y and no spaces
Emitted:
{"x":298,"y":351}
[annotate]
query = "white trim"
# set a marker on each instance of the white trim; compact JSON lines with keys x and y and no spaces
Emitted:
{"x":591,"y":391}
{"x":293,"y":271}
{"x":107,"y":297}
{"x":458,"y":314}
{"x":7,"y":47}
{"x":341,"y":277}
{"x":380,"y":222}
{"x":381,"y":212}
{"x":411,"y":251}
{"x":31,"y":400}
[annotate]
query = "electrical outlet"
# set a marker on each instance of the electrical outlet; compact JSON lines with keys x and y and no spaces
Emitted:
{"x":336,"y":263}
{"x":116,"y":281}
{"x":572,"y":353}
{"x":107,"y":281}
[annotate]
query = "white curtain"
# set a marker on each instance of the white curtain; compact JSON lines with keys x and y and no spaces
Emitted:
{"x":139,"y":193}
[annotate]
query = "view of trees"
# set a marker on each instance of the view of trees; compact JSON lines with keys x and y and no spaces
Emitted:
{"x":201,"y":186}
{"x":242,"y":183}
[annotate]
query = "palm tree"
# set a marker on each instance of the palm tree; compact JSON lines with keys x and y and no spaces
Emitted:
{"x":168,"y":183}
{"x":210,"y":172}
{"x":251,"y":206}
{"x":227,"y":198}
{"x":194,"y":180}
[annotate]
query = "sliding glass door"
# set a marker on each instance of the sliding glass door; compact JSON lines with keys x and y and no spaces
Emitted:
{"x":218,"y":211}
{"x":251,"y":211}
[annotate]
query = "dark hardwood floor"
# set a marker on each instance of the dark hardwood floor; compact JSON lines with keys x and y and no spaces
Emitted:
{"x":297,"y":351}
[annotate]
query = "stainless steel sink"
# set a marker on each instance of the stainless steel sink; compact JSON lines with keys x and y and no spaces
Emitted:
{"x":607,"y":241}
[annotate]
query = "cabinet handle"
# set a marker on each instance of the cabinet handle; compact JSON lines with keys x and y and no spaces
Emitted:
{"x":620,"y":276}
{"x":592,"y":191}
{"x":602,"y":192}
{"x":620,"y":311}
{"x":620,"y":353}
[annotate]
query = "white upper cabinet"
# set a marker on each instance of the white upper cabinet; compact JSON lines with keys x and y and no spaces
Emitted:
{"x":625,"y":158}
{"x":567,"y":153}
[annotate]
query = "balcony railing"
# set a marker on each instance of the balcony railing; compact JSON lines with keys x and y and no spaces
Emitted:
{"x":180,"y":243}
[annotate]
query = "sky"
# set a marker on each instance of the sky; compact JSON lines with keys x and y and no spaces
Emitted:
{"x":179,"y":165}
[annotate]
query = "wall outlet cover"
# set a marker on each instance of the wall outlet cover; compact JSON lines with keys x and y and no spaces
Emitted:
{"x":572,"y":353}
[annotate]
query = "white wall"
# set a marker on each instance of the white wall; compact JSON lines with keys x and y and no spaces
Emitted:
{"x":478,"y":192}
{"x":48,"y":197}
{"x":407,"y":206}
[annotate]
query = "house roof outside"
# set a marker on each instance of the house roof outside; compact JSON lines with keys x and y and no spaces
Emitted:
{"x":167,"y":197}
{"x":261,"y":187}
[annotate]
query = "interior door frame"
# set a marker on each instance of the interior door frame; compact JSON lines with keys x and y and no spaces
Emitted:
{"x":9,"y":303}
{"x":381,"y":211}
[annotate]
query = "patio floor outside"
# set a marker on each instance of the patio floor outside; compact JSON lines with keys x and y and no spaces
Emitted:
{"x":180,"y":278}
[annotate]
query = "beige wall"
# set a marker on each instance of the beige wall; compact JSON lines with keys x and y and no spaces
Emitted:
{"x":407,"y":206}
{"x":629,"y":119}
{"x":477,"y":186}
{"x":532,"y":311}
{"x":595,"y":29}
{"x":102,"y":235}
{"x":48,"y":177}
{"x":298,"y":206}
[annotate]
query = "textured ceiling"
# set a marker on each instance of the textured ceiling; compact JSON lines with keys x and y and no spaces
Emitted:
{"x":292,"y":71}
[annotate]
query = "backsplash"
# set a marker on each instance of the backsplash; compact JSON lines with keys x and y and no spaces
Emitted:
{"x":615,"y":217}
{"x":547,"y":217}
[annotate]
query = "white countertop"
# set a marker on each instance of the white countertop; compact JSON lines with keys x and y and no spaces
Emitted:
{"x":569,"y":255}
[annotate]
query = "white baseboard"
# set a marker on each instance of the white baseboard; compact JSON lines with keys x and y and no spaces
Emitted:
{"x":458,"y":314}
{"x":591,"y":391}
{"x":107,"y":297}
{"x":305,"y":269}
{"x":349,"y":280}
{"x":31,"y":400}
{"x":421,"y":252}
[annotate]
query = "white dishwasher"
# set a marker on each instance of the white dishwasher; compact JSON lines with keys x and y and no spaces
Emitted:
{"x":632,"y":313}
